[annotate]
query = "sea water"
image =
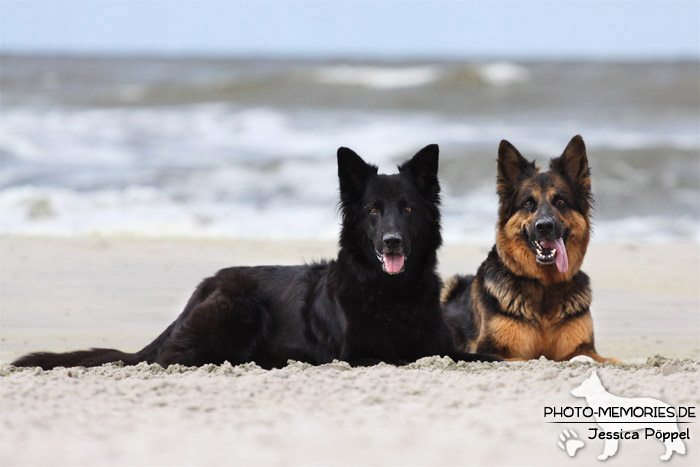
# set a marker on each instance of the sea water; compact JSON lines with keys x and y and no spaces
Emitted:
{"x":232,"y":147}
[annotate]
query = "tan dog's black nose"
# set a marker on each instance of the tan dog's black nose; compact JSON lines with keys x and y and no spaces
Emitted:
{"x":545,"y":226}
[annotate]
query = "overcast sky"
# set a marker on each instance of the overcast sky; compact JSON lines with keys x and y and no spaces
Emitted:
{"x":599,"y":29}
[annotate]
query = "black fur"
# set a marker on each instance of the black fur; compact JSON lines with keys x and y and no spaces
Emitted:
{"x":350,"y":308}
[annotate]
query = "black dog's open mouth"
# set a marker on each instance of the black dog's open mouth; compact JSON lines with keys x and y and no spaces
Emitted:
{"x":392,"y":263}
{"x":548,"y":251}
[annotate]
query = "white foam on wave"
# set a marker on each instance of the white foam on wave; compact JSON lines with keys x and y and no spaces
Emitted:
{"x":218,"y":170}
{"x":132,"y":92}
{"x":214,"y":133}
{"x":378,"y":77}
{"x":503,"y":73}
{"x":470,"y":217}
{"x":651,"y":229}
{"x":145,"y":211}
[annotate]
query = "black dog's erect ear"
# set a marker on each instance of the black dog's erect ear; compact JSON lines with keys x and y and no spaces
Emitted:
{"x":573,"y":163}
{"x":423,"y":167}
{"x":353,"y":173}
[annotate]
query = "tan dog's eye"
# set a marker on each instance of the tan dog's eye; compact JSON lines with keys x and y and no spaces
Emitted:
{"x":561,"y":202}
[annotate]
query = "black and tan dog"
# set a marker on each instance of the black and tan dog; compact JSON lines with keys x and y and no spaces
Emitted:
{"x":529,"y":298}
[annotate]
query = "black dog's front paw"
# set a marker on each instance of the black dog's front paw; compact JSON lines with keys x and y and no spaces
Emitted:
{"x":363,"y":361}
{"x":458,"y":356}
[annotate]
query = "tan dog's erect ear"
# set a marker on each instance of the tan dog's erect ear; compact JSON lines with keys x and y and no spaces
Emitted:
{"x":573,"y":163}
{"x":512,"y":168}
{"x":510,"y":163}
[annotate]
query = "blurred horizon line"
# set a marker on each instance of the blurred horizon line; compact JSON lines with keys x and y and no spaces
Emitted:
{"x":345,"y":57}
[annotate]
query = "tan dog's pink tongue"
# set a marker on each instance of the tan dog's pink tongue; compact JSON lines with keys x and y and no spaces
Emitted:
{"x":562,"y":258}
{"x":393,"y":263}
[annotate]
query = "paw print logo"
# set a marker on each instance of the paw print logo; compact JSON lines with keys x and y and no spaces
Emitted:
{"x":569,"y":442}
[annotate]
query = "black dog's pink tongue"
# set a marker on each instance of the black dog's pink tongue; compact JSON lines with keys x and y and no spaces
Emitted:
{"x":393,"y":263}
{"x":562,"y":258}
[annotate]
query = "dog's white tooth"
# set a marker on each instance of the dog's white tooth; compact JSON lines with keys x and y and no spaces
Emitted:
{"x":554,"y":251}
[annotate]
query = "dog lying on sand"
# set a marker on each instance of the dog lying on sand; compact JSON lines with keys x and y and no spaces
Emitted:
{"x":379,"y":301}
{"x":529,"y":298}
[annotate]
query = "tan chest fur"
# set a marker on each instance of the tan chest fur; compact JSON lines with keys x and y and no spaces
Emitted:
{"x":544,"y":337}
{"x":540,"y":321}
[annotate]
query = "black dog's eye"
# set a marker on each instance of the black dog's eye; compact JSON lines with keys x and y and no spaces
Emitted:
{"x":373,"y":211}
{"x":408,"y":209}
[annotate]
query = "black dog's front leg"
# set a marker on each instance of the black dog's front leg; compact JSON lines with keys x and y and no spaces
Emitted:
{"x":455,"y":355}
{"x":364,"y":361}
{"x":459,"y":356}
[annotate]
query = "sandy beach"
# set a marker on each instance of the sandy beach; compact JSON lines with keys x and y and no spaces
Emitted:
{"x":67,"y":293}
{"x":146,"y":145}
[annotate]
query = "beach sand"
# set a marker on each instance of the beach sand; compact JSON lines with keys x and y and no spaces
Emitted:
{"x":68,"y":293}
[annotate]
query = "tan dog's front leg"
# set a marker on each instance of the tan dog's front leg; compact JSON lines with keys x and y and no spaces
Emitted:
{"x":600,"y":359}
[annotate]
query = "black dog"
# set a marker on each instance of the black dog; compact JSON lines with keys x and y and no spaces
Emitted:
{"x":378,"y":302}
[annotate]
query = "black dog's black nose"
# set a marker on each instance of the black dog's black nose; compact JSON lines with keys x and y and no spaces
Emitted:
{"x":392,"y":240}
{"x":545,"y":226}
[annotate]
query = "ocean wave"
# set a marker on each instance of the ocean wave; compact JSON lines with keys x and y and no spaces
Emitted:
{"x":385,"y":77}
{"x":148,"y":212}
{"x":503,"y":73}
{"x":145,"y":211}
{"x":246,"y":147}
{"x":378,"y":77}
{"x":213,"y":133}
{"x":200,"y":169}
{"x":651,"y":229}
